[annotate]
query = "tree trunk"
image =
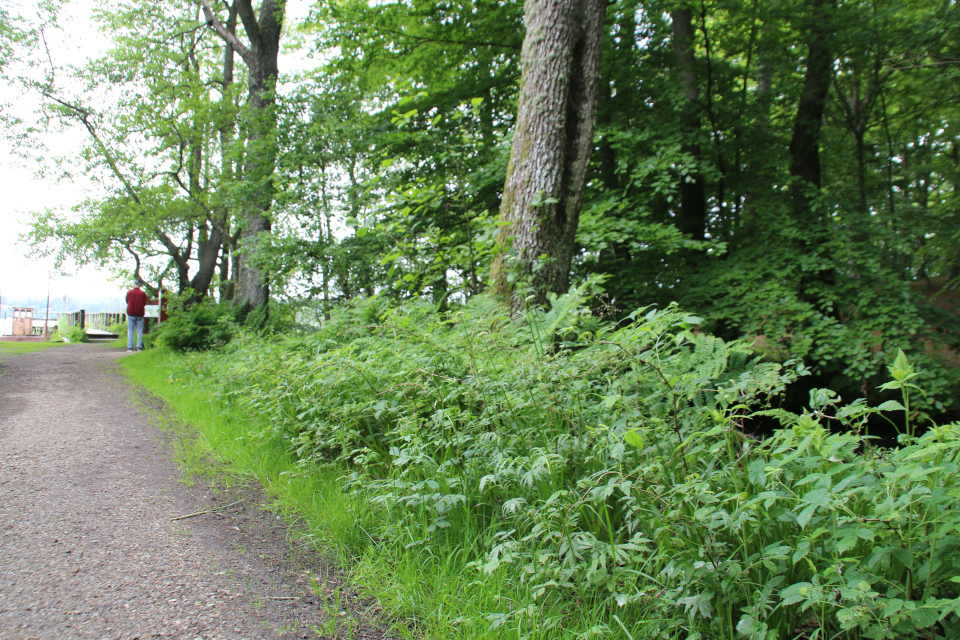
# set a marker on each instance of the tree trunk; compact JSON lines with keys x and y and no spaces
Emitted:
{"x":693,"y":200}
{"x":805,"y":144}
{"x":234,"y":270}
{"x":226,"y":284}
{"x":552,"y":144}
{"x":758,"y":166}
{"x":207,"y":252}
{"x":227,"y":132}
{"x":616,"y":94}
{"x":805,"y":150}
{"x":263,"y":32}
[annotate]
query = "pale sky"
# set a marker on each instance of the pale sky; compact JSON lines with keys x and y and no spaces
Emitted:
{"x":24,"y":192}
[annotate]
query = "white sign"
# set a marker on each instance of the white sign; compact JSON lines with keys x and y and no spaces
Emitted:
{"x":151,"y":311}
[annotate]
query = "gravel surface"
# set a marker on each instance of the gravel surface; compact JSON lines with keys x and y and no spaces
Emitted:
{"x":89,"y":547}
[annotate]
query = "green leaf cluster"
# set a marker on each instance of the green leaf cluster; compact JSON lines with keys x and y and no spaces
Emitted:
{"x":608,"y":468}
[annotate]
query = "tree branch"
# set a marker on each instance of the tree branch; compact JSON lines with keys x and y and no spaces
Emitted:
{"x":136,"y":258}
{"x":468,"y":43}
{"x":250,"y":24}
{"x":83,"y":115}
{"x":214,"y":23}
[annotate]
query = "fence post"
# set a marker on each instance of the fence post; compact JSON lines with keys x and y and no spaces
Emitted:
{"x":83,"y":317}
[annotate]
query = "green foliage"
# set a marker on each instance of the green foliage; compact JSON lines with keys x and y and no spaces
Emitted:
{"x":119,"y":328}
{"x":393,"y":167}
{"x":73,"y":334}
{"x":607,"y":476}
{"x":158,"y":121}
{"x":255,"y":319}
{"x":196,"y":326}
{"x":392,"y":152}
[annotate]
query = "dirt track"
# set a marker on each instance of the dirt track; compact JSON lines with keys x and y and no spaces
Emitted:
{"x":88,"y":549}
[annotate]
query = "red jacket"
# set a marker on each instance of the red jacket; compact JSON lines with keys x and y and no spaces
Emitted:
{"x":136,"y":301}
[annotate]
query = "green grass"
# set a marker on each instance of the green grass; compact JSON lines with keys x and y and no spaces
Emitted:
{"x":427,"y":592}
{"x":7,"y":348}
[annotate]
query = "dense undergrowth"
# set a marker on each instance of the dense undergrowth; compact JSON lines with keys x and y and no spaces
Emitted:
{"x":552,"y":476}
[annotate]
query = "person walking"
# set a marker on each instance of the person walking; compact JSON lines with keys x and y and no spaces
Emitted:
{"x":136,"y":304}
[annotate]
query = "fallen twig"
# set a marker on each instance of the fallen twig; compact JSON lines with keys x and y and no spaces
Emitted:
{"x":283,"y":597}
{"x":200,"y":513}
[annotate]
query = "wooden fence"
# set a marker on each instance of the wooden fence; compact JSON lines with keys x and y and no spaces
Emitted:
{"x":84,"y":320}
{"x":103,"y":320}
{"x":73,"y":319}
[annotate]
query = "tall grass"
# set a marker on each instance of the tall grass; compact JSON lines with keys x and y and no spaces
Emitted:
{"x":554,"y":476}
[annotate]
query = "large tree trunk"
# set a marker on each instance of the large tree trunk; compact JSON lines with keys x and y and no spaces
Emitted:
{"x":693,"y":199}
{"x":805,"y":150}
{"x":552,"y":144}
{"x":260,"y":159}
{"x":805,"y":144}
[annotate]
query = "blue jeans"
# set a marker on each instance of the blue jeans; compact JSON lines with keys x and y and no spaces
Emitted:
{"x":135,"y":325}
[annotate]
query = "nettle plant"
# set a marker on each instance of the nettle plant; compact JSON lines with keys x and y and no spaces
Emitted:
{"x":606,"y":468}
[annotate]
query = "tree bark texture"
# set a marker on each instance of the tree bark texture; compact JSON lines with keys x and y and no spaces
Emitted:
{"x":260,"y":56}
{"x":693,"y":199}
{"x":552,"y":143}
{"x":805,"y":144}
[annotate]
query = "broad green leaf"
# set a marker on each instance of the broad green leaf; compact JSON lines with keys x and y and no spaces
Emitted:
{"x":891,"y":405}
{"x":634,"y":439}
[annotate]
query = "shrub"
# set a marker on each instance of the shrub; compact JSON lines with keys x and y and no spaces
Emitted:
{"x":120,"y":328}
{"x":196,"y":327}
{"x":608,"y":469}
{"x":73,"y":334}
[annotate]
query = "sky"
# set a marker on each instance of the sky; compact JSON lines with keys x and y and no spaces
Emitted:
{"x":25,"y":192}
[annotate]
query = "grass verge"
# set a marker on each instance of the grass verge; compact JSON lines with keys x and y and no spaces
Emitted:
{"x":428,"y":595}
{"x":224,"y":438}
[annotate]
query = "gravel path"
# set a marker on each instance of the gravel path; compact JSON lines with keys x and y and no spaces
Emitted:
{"x":88,"y":547}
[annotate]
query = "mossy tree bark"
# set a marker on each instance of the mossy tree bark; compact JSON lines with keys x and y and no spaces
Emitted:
{"x":552,"y":144}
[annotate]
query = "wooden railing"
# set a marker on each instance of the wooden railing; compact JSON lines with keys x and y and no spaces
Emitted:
{"x":104,"y":319}
{"x":101,"y":320}
{"x":72,"y":319}
{"x":84,"y":320}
